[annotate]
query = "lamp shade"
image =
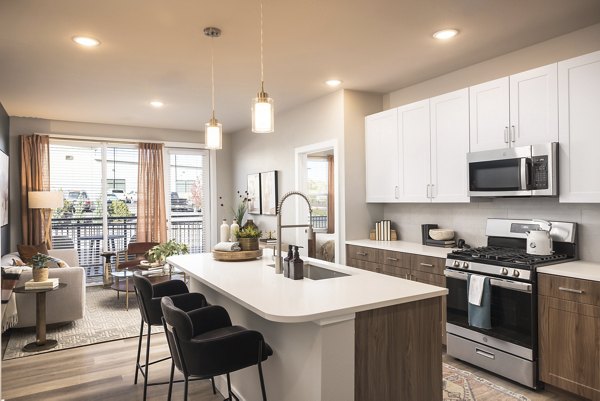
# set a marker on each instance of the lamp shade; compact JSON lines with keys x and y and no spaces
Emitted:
{"x":45,"y":199}
{"x":213,"y":135}
{"x":262,"y":114}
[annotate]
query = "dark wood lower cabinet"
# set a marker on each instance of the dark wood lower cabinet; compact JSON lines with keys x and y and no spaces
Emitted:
{"x":424,"y":269}
{"x":398,"y":353}
{"x":569,"y":338}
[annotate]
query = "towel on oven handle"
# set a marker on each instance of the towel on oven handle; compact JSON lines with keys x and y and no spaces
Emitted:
{"x":476,"y":283}
{"x":480,"y":315}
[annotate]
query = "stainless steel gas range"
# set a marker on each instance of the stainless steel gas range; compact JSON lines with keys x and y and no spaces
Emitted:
{"x":509,"y":348}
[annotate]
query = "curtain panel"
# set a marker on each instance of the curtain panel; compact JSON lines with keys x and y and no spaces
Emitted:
{"x":151,"y":206}
{"x":35,"y":176}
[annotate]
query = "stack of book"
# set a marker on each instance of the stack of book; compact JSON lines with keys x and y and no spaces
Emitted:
{"x":41,"y":285}
{"x":383,"y":230}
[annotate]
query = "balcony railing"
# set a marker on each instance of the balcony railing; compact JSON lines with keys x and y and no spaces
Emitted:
{"x":319,"y":221}
{"x":85,"y":235}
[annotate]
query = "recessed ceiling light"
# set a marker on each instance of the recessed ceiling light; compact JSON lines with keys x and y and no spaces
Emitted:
{"x":157,"y":104}
{"x":445,"y":34}
{"x":86,"y":41}
{"x":333,"y":82}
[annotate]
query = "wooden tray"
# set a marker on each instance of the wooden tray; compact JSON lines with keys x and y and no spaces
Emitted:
{"x":237,"y":256}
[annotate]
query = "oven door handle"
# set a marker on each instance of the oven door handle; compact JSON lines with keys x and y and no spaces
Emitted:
{"x":455,"y":274}
{"x":510,"y":285}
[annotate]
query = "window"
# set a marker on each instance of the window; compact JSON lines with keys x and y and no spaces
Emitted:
{"x":318,"y":190}
{"x":83,"y":171}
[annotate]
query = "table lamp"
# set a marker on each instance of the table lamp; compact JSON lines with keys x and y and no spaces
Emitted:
{"x":46,"y":201}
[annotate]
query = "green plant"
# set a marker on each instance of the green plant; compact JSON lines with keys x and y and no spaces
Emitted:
{"x":160,"y":252}
{"x":240,"y":211}
{"x":118,"y":208}
{"x":248,"y":232}
{"x":40,"y":261}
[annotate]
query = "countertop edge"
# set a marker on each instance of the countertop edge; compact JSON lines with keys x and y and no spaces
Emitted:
{"x":403,"y":246}
{"x":317,"y":316}
{"x":579,"y":269}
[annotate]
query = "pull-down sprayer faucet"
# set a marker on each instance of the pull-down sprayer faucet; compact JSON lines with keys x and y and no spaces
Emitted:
{"x":278,"y":267}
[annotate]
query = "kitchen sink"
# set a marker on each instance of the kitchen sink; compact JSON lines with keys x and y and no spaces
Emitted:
{"x":318,"y":273}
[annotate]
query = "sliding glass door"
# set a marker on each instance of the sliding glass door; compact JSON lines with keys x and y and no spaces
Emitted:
{"x":100,"y":183}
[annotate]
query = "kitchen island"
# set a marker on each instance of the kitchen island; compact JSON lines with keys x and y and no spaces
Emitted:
{"x":358,"y":336}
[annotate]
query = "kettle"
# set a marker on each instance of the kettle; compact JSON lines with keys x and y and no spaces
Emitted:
{"x":539,"y":242}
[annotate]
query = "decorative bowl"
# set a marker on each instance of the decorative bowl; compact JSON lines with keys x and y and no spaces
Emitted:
{"x":441,"y":234}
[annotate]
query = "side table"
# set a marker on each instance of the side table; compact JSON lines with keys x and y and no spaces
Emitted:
{"x":41,"y":342}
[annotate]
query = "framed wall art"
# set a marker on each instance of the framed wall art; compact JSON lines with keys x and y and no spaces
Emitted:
{"x":254,"y":199}
{"x":3,"y":189}
{"x":268,"y":191}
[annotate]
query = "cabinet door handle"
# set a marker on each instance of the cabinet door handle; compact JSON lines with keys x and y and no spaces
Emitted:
{"x":426,"y":264}
{"x":513,"y":133}
{"x":361,"y":253}
{"x":505,"y":134}
{"x":396,"y":192}
{"x":392,"y":259}
{"x":570,"y":290}
{"x":427,"y":192}
{"x":431,"y":193}
{"x":486,"y":354}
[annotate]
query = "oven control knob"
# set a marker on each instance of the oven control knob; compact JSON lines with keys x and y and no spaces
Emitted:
{"x":456,"y":263}
{"x":465,"y":265}
{"x":504,"y":271}
{"x":516,"y":273}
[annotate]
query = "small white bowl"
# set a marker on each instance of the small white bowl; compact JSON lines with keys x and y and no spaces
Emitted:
{"x":441,"y":234}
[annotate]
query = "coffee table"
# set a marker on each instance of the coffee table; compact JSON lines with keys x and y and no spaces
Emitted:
{"x":41,"y":342}
{"x":126,"y":273}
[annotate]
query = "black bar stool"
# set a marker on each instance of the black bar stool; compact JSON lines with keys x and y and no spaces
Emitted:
{"x":149,"y":296}
{"x":204,"y":344}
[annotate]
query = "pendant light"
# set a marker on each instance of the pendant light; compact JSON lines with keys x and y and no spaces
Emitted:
{"x":213,"y":130}
{"x":262,"y":104}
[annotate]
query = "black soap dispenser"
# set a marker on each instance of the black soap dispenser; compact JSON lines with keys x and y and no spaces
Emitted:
{"x":297,"y":265}
{"x":286,"y":262}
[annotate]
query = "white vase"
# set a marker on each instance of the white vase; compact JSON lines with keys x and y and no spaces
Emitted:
{"x":224,"y":237}
{"x":233,"y":229}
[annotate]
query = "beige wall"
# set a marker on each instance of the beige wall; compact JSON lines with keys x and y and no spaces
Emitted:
{"x":27,"y":126}
{"x":563,"y":47}
{"x":469,"y":220}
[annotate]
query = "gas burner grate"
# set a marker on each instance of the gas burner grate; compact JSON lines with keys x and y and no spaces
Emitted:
{"x":510,"y":255}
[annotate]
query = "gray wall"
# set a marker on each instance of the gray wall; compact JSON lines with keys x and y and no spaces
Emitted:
{"x":4,"y":129}
{"x":338,"y":116}
{"x":27,"y":126}
{"x":468,"y":220}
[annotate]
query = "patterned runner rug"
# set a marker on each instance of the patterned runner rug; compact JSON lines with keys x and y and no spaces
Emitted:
{"x":105,"y":320}
{"x":460,"y":385}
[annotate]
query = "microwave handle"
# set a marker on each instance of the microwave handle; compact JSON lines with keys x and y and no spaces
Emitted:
{"x":525,"y":169}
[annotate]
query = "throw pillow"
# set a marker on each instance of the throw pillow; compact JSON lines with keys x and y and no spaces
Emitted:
{"x":26,"y":252}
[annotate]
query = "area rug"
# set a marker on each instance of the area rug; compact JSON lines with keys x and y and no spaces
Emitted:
{"x":105,"y":320}
{"x":460,"y":385}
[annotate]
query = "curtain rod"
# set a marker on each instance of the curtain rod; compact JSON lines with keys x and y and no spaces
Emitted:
{"x":168,"y":144}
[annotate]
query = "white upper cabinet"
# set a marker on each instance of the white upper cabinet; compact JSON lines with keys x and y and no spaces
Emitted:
{"x":381,"y":146}
{"x":449,"y":146}
{"x":534,"y":106}
{"x":579,"y":129}
{"x":414,"y":153}
{"x":514,"y":111}
{"x":489,"y":115}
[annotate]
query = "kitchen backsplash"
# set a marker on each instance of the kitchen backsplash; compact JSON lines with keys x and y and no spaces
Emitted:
{"x":468,"y":220}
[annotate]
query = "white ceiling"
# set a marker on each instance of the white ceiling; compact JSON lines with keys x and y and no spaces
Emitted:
{"x":155,"y":49}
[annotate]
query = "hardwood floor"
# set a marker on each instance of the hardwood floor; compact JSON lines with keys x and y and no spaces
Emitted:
{"x":97,"y":372}
{"x":104,"y":372}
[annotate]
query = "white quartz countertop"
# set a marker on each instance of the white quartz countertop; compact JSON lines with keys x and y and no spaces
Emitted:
{"x":578,"y":269}
{"x":404,"y":246}
{"x":255,"y":285}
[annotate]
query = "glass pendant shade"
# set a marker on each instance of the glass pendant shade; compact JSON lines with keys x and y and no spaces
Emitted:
{"x":263,"y":121}
{"x":213,"y":134}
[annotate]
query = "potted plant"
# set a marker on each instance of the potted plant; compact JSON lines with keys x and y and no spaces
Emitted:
{"x":248,"y":238}
{"x":39,"y":266}
{"x":159,"y":253}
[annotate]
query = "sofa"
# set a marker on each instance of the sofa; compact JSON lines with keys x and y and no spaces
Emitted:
{"x":63,"y":305}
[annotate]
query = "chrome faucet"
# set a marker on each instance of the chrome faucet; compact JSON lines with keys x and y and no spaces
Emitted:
{"x":278,"y":267}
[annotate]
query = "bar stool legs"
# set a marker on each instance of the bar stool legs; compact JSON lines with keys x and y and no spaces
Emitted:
{"x":137,"y":362}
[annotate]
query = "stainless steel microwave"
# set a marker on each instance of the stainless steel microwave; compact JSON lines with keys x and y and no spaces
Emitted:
{"x":521,"y":171}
